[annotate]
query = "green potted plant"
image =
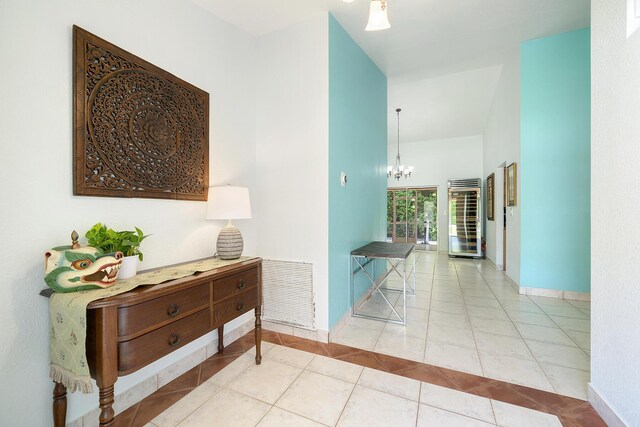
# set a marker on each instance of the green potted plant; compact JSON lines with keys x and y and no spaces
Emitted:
{"x":128,"y":242}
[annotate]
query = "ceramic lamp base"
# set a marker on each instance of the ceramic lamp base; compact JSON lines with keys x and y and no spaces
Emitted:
{"x":229,"y":244}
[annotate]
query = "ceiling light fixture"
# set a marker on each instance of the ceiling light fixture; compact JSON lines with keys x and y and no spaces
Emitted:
{"x":378,"y":19}
{"x":398,"y":170}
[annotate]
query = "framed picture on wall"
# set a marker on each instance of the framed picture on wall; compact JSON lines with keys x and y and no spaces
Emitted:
{"x":490,"y":196}
{"x":512,"y":185}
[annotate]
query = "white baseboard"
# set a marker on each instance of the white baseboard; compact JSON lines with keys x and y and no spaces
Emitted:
{"x":603,"y":409}
{"x":338,"y":326}
{"x":512,"y":282}
{"x":315,"y":335}
{"x":343,"y":320}
{"x":553,"y":293}
{"x":540,"y":292}
{"x":577,"y":296}
{"x":499,"y":267}
{"x":147,"y":386}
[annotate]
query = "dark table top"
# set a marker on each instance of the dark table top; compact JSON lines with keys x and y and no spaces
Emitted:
{"x":384,"y":250}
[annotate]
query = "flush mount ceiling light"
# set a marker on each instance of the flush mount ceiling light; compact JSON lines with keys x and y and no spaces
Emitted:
{"x":378,"y":19}
{"x":398,"y":170}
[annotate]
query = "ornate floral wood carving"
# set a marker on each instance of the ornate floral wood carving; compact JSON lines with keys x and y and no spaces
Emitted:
{"x":139,"y":131}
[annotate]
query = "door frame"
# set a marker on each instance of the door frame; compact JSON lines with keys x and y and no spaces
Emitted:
{"x":500,"y":236}
{"x":504,"y":220}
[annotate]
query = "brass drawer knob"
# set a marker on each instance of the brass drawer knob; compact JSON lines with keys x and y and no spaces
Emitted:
{"x":241,"y":285}
{"x":240,"y":306}
{"x":174,"y":339}
{"x":173,"y":310}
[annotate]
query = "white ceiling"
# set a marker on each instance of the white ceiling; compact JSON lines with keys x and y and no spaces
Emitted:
{"x":431,"y":37}
{"x":260,"y":17}
{"x":428,"y":51}
{"x":427,"y":37}
{"x":442,"y":107}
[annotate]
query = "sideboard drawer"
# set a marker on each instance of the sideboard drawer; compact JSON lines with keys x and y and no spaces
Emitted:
{"x":139,"y":352}
{"x":137,"y":318}
{"x":235,"y":306}
{"x":235,"y":283}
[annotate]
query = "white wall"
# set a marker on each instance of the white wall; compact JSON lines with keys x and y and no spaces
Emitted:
{"x":292,"y":150}
{"x":502,"y":145}
{"x":435,"y":162}
{"x":615,"y":259}
{"x":38,"y":208}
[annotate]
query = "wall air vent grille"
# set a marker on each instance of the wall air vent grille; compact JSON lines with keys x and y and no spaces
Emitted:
{"x":465,"y":183}
{"x":287,"y":290}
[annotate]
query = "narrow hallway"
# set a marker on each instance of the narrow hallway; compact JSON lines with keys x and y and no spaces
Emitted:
{"x":468,"y":317}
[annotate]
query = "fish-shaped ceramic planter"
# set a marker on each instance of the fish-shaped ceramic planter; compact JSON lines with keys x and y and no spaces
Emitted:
{"x":75,"y":268}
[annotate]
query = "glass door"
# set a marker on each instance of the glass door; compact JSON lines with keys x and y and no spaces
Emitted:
{"x":427,"y":217}
{"x":464,"y":222}
{"x":401,"y":216}
{"x":412,"y":216}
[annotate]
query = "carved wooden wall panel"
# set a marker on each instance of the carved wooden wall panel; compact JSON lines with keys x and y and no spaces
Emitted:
{"x":139,"y":131}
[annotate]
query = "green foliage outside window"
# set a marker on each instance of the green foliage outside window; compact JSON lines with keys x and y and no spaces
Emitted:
{"x":407,"y":201}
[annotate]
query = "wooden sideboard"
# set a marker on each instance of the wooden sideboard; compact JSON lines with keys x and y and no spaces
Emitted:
{"x":129,"y":331}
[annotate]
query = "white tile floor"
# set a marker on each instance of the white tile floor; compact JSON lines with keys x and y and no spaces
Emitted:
{"x":295,"y":388}
{"x":467,"y":316}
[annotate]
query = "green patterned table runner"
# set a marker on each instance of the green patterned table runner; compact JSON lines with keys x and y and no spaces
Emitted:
{"x":68,"y":316}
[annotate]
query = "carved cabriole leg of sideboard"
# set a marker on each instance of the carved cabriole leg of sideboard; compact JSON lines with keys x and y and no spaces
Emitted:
{"x":106,"y":360}
{"x":258,"y":334}
{"x":59,"y":405}
{"x":221,"y":339}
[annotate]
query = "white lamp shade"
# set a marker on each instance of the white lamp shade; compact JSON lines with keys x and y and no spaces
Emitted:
{"x":378,"y":19}
{"x":228,"y":203}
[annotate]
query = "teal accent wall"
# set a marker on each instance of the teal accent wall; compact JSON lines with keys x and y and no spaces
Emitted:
{"x":357,"y":146}
{"x":555,"y":126}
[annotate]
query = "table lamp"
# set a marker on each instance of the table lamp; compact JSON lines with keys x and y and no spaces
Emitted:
{"x":229,"y":203}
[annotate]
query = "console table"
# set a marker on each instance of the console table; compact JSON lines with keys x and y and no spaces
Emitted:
{"x":129,"y":331}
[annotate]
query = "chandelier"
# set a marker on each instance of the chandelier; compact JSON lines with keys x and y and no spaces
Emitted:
{"x":398,"y":170}
{"x":378,"y":19}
